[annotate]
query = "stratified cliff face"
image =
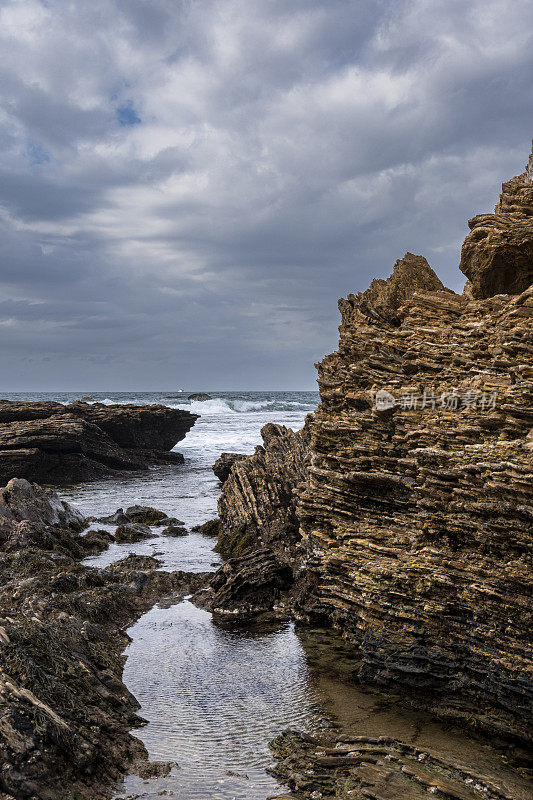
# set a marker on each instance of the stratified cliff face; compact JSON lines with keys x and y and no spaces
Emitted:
{"x":415,"y":514}
{"x":497,"y":256}
{"x":258,"y":529}
{"x":53,"y":443}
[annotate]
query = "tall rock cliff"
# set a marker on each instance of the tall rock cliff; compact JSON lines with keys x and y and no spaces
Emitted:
{"x":415,"y":514}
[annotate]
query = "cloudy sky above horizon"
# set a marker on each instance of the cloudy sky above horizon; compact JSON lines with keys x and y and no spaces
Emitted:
{"x":188,"y":186}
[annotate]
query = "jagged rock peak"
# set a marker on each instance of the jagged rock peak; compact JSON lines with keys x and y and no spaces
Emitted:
{"x":497,"y":256}
{"x":383,"y":298}
{"x":517,"y":194}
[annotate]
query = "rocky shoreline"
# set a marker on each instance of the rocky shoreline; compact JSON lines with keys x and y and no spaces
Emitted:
{"x":51,"y":443}
{"x":66,"y":714}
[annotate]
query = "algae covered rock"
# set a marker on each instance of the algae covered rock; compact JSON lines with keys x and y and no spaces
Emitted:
{"x":133,"y":532}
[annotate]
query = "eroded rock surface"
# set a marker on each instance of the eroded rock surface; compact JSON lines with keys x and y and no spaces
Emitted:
{"x":416,"y":518}
{"x":65,"y":714}
{"x":497,"y":256}
{"x":53,"y":443}
{"x":257,"y":506}
{"x":366,"y":768}
{"x":223,"y":464}
{"x":383,"y":299}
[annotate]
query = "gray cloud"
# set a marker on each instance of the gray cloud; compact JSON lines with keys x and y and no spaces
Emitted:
{"x":187,"y":188}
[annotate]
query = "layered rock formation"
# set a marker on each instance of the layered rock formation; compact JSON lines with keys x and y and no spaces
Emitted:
{"x":415,"y":514}
{"x":223,"y":464}
{"x":497,"y":256}
{"x":415,"y":517}
{"x":257,"y":527}
{"x":382,"y":768}
{"x":257,"y":507}
{"x":53,"y":443}
{"x":65,"y":713}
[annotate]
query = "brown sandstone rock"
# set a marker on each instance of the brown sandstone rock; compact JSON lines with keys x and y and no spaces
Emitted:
{"x":417,"y":521}
{"x":497,"y":256}
{"x":257,"y":506}
{"x":383,"y":298}
{"x":381,"y":768}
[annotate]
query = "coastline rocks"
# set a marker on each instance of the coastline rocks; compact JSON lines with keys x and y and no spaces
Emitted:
{"x":21,"y":500}
{"x":97,"y":540}
{"x":381,"y":768}
{"x":416,"y":518}
{"x":174,"y":530}
{"x":383,"y":299}
{"x":209,"y":528}
{"x":497,"y":256}
{"x":246,"y":587}
{"x":257,"y":506}
{"x":132,"y":532}
{"x":199,"y":397}
{"x":66,"y":715}
{"x":257,"y":526}
{"x":145,"y":514}
{"x":54,"y":443}
{"x":223,"y":464}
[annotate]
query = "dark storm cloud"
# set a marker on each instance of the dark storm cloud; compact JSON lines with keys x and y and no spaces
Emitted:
{"x":187,"y":188}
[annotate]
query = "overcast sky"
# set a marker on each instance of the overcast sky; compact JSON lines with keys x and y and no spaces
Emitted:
{"x":187,"y":187}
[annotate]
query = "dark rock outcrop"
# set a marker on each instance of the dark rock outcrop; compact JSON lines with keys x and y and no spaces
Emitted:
{"x":133,"y":532}
{"x":497,"y":256}
{"x":257,"y":526}
{"x":66,"y":715}
{"x":174,"y":530}
{"x":46,"y":441}
{"x":248,"y":586}
{"x":223,"y":464}
{"x":200,"y":396}
{"x":209,"y":528}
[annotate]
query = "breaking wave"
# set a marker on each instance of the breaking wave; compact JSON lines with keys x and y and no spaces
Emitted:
{"x":220,"y":406}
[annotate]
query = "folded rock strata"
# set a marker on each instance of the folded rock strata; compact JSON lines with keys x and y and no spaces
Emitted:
{"x":53,"y":443}
{"x":223,"y":464}
{"x":65,"y":714}
{"x":257,"y":507}
{"x":415,"y":513}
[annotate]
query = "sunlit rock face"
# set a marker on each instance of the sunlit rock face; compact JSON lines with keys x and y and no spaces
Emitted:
{"x":415,"y":516}
{"x":497,"y":256}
